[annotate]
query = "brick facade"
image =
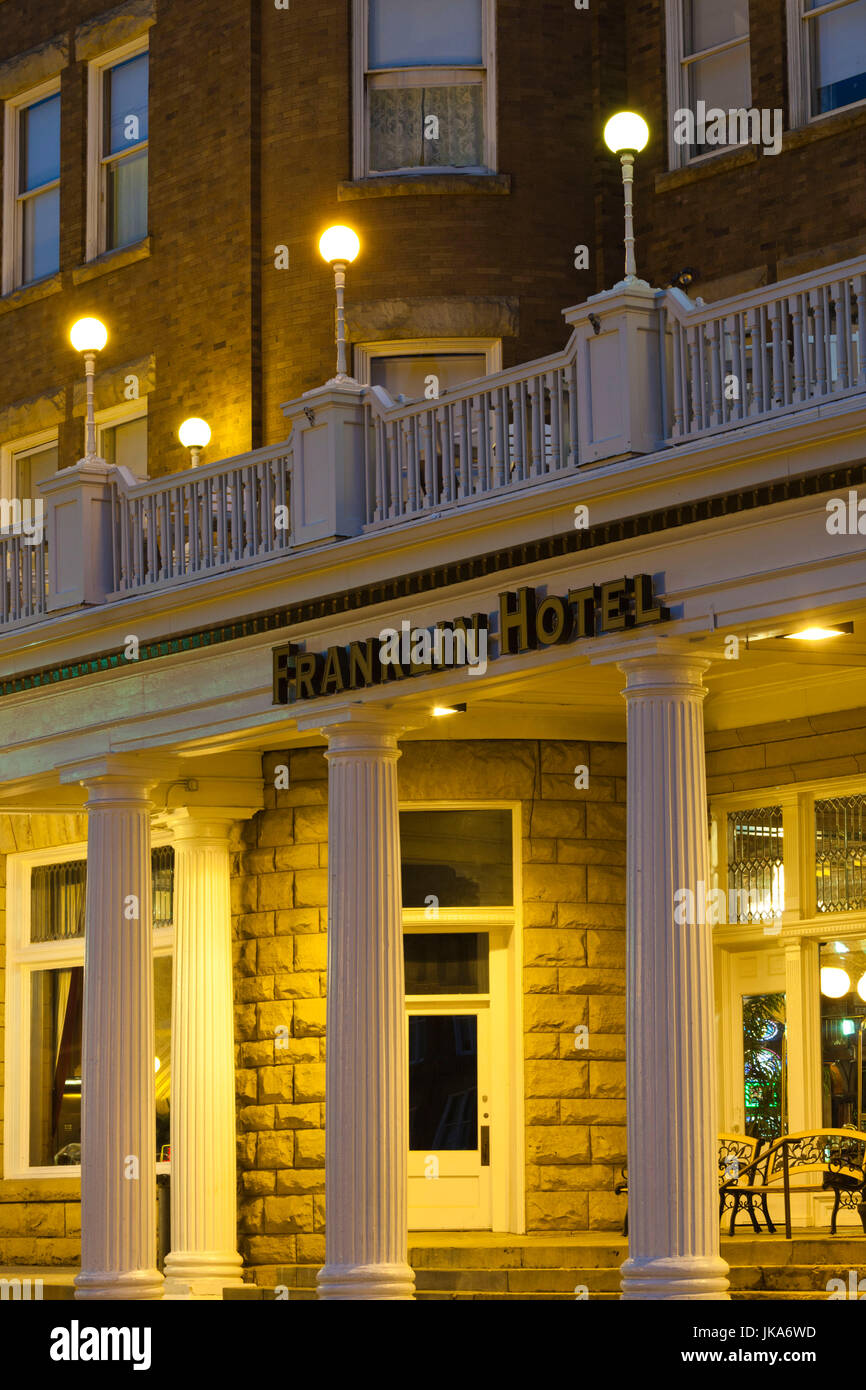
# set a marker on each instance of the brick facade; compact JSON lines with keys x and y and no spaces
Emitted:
{"x":249,"y":149}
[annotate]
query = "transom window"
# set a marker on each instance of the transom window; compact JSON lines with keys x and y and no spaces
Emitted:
{"x":32,"y":182}
{"x":756,"y":873}
{"x":840,"y":853}
{"x":423,"y":85}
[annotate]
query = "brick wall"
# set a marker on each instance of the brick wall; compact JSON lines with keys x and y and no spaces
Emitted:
{"x":574,"y":942}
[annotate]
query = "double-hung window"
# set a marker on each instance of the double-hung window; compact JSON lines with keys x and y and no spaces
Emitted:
{"x":827,"y":56}
{"x":708,"y":68}
{"x":32,"y":185}
{"x":118,"y":136}
{"x":424,"y":86}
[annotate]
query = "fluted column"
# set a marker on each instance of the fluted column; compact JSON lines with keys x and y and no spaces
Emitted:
{"x":670,"y":1028}
{"x":366,"y":1082}
{"x":204,"y":1257}
{"x":118,"y":1125}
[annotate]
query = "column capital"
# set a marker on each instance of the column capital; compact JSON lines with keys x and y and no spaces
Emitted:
{"x":360,"y":727}
{"x":205,"y":824}
{"x":657,"y":651}
{"x":128,"y":775}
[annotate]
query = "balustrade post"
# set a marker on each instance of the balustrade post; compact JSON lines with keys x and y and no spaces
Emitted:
{"x":329,"y":485}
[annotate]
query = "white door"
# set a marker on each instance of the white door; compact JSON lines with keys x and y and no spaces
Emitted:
{"x":449,"y":1115}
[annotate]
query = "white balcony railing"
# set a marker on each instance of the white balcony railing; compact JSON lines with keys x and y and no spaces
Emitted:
{"x":218,"y":517}
{"x":642,"y":371}
{"x":507,"y":431}
{"x":767,"y":352}
{"x":23,"y":579}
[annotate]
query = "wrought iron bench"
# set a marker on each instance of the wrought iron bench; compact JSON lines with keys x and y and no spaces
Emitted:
{"x":736,"y":1154}
{"x":838,"y":1154}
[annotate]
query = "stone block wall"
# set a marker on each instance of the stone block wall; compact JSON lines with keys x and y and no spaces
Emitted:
{"x":573,"y":890}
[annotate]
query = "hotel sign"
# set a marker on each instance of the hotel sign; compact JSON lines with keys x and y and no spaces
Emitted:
{"x":525,"y":620}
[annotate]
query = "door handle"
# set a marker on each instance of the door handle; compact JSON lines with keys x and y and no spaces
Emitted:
{"x":485,"y":1146}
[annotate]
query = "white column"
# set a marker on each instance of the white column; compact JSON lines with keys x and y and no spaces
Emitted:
{"x":204,"y":1257}
{"x":670,"y":1029}
{"x":118,"y":1124}
{"x":366,"y":1082}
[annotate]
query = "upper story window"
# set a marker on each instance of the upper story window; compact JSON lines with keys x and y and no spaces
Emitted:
{"x":833,"y":44}
{"x":121,"y":436}
{"x":117,"y":149}
{"x":33,"y":465}
{"x":426,"y":368}
{"x":31,"y":219}
{"x":424,"y":86}
{"x":708,"y":69}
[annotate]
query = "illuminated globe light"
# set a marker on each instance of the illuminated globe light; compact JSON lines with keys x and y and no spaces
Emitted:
{"x":194,"y":433}
{"x":339,"y":245}
{"x":861,"y":987}
{"x":626,"y":132}
{"x":88,"y":335}
{"x":835,"y":982}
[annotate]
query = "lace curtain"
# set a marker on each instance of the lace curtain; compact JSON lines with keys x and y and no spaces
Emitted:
{"x":403,"y":135}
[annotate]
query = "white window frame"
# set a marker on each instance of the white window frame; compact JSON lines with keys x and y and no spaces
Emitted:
{"x":96,"y":243}
{"x":22,"y":958}
{"x":365,"y":353}
{"x":800,"y":21}
{"x":434,"y":76}
{"x":678,"y":63}
{"x":504,"y":926}
{"x":11,"y":451}
{"x":13,"y":202}
{"x":122,"y":414}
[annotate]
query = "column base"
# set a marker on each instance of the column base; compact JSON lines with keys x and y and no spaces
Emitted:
{"x":677,"y":1277}
{"x":201,"y":1275}
{"x":366,"y":1282}
{"x":119,"y":1285}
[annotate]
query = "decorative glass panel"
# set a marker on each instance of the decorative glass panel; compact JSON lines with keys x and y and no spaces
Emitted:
{"x":756,"y":874}
{"x":426,"y":127}
{"x":429,"y":33}
{"x":407,"y":376}
{"x":126,"y":105}
{"x":40,"y":143}
{"x":838,"y":44}
{"x":443,"y":1082}
{"x":57,"y":896}
{"x":447,"y":962}
{"x":458,"y":858}
{"x":840,"y":853}
{"x":843,"y":1031}
{"x":55,"y":1062}
{"x":127,"y":200}
{"x":709,"y":23}
{"x":765,"y":1064}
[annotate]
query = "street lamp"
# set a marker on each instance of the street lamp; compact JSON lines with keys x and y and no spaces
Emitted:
{"x":339,"y":246}
{"x":89,"y":337}
{"x":194,"y":434}
{"x":626,"y":134}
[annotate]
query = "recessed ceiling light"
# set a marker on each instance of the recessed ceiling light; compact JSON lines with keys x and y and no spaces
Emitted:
{"x":819,"y":634}
{"x":441,"y":710}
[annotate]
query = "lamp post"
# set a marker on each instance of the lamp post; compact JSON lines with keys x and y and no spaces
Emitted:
{"x":339,"y":246}
{"x":194,"y":434}
{"x":89,"y":336}
{"x":626,"y":134}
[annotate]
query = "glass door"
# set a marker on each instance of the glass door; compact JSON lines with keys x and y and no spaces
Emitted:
{"x":448,"y":1021}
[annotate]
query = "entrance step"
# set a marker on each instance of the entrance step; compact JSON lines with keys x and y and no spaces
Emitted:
{"x":537,"y":1269}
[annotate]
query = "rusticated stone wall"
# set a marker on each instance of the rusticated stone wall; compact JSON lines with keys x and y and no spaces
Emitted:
{"x":573,"y":875}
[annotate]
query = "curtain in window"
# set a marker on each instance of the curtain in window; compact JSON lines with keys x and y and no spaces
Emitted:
{"x":426,"y":127}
